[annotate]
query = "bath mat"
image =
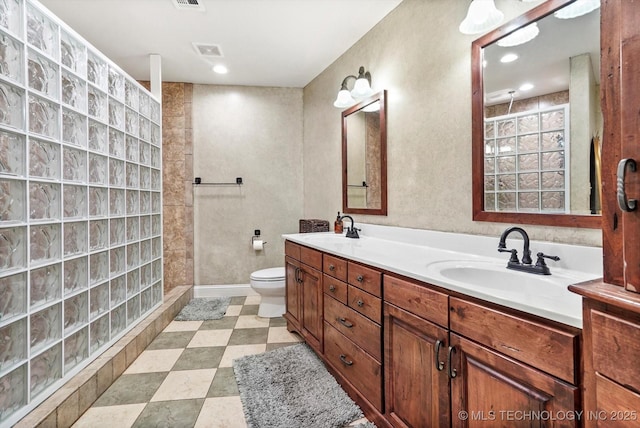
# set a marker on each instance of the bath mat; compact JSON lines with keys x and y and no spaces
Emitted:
{"x":203,"y":309}
{"x":290,"y":388}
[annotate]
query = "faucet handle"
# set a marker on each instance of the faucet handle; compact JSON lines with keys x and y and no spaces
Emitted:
{"x":542,"y":256}
{"x":514,"y":254}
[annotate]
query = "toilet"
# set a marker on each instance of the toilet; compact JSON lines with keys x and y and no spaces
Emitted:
{"x":270,"y":285}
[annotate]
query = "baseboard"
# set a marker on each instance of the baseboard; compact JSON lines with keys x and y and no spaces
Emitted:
{"x":223,"y":290}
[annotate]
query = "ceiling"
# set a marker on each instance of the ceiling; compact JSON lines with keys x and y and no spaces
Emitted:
{"x":280,"y":43}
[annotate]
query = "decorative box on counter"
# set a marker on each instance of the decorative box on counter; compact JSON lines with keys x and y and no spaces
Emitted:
{"x":313,"y":225}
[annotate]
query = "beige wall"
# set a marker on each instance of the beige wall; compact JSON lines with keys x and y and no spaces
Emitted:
{"x":253,"y":133}
{"x":420,"y":57}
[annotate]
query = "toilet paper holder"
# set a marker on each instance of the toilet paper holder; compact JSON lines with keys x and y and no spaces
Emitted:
{"x":254,"y":237}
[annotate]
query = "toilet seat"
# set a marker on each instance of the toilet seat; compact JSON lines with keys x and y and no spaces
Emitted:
{"x":269,"y":275}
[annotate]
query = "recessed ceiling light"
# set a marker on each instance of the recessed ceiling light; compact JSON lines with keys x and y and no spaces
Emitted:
{"x":510,"y":57}
{"x":220,"y":69}
{"x":526,"y":87}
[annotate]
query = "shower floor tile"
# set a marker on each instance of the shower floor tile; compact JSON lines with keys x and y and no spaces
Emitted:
{"x":185,"y":376}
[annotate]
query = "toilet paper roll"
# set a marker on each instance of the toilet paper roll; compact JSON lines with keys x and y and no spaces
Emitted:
{"x":258,"y":244}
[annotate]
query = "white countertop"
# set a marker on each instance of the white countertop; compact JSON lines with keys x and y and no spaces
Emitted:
{"x":415,"y":253}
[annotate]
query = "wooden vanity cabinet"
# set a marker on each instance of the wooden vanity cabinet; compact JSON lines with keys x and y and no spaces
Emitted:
{"x":304,"y":293}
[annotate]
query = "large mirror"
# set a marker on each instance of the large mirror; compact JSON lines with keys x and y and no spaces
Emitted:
{"x":537,"y":120}
{"x":364,"y":157}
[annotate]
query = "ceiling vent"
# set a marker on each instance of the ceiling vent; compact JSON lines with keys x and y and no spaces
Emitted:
{"x":208,"y":50}
{"x":189,"y":5}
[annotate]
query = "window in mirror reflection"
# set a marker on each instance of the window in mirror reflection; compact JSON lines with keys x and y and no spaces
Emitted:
{"x":525,"y":160}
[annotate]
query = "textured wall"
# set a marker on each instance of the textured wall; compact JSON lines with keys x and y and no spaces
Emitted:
{"x":420,"y":57}
{"x":253,"y":133}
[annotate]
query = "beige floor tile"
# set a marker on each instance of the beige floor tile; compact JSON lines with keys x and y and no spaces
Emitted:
{"x":183,"y":326}
{"x":207,"y":338}
{"x":185,"y":384}
{"x":122,"y":416}
{"x":253,"y":300}
{"x":238,"y":351}
{"x":233,"y":311}
{"x":281,"y":335}
{"x":160,"y":360}
{"x":251,"y":321}
{"x":221,"y":412}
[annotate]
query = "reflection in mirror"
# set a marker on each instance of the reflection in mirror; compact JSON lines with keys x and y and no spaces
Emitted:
{"x":364,"y":139}
{"x":537,"y":120}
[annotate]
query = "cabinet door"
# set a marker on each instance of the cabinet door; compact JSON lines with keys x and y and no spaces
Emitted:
{"x":311,"y":306}
{"x":490,"y":389}
{"x":416,"y":382}
{"x":293,"y":312}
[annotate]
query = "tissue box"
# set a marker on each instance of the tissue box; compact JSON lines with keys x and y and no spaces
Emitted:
{"x":313,"y":225}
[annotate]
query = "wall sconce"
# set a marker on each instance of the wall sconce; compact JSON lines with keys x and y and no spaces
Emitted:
{"x":361,"y":89}
{"x":481,"y":16}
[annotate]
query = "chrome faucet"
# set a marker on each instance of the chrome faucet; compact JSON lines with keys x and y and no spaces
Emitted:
{"x":539,"y":268}
{"x":352,"y":231}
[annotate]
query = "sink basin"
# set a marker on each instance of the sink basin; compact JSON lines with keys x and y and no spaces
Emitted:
{"x":494,"y":277}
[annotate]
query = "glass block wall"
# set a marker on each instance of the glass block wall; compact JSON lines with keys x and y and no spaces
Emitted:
{"x":80,"y":204}
{"x":526,"y":163}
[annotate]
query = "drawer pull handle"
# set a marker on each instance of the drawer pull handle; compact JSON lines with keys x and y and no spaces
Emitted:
{"x":332,"y":268}
{"x":332,"y":288}
{"x":346,"y":362}
{"x":297,"y":275}
{"x":439,"y":364}
{"x":625,"y":204}
{"x":360,"y":278}
{"x":360,"y":303}
{"x":344,"y":322}
{"x":452,"y":372}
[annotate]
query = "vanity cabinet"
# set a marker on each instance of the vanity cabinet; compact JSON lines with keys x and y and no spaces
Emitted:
{"x":304,"y":293}
{"x":416,"y":355}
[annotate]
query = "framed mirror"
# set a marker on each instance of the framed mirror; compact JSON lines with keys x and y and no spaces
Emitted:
{"x":364,"y":157}
{"x":537,"y":119}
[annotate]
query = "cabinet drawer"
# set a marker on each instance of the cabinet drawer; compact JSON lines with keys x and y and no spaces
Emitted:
{"x":353,"y":363}
{"x":547,"y":348}
{"x":335,"y":267}
{"x":292,"y":250}
{"x":335,"y":288}
{"x":616,"y":401}
{"x":361,"y":330}
{"x":370,"y":280}
{"x":417,"y":299}
{"x":311,"y":257}
{"x":616,"y":347}
{"x":365,"y":303}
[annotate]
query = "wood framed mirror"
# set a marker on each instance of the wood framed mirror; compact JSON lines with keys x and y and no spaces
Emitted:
{"x":364,"y":157}
{"x":533,"y":152}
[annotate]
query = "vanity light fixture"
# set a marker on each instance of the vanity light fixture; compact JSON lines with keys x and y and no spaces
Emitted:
{"x":481,"y":16}
{"x":579,"y":8}
{"x":361,"y":89}
{"x":520,"y":37}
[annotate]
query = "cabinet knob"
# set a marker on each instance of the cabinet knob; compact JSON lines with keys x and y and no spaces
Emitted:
{"x":332,"y":268}
{"x":360,"y":302}
{"x":346,"y":362}
{"x":360,"y":278}
{"x":332,"y":288}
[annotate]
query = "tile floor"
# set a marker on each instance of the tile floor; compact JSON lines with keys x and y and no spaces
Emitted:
{"x":185,"y":376}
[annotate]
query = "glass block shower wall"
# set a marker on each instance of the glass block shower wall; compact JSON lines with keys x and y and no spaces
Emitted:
{"x":526,"y":167}
{"x":80,"y":205}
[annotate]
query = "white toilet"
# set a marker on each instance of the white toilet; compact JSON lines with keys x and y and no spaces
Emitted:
{"x":270,"y":285}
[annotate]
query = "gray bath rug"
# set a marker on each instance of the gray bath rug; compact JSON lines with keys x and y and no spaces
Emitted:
{"x":203,"y":309}
{"x":290,"y":388}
